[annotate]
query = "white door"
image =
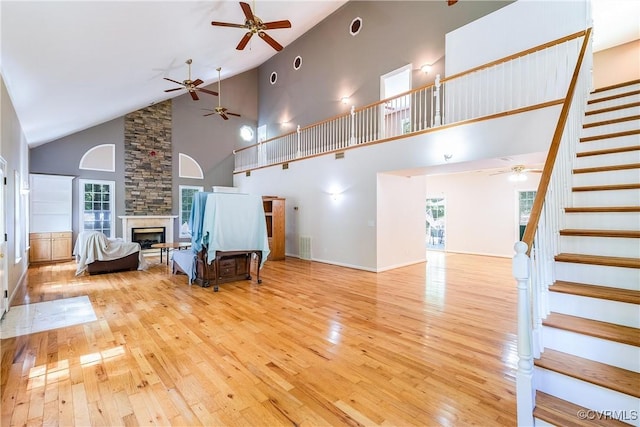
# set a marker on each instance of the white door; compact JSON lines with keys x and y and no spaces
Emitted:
{"x":4,"y":305}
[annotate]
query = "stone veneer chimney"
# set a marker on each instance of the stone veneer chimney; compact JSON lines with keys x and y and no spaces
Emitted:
{"x":148,"y":161}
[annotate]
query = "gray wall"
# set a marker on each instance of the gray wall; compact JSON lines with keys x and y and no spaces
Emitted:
{"x":13,"y":150}
{"x":335,"y":63}
{"x":209,"y":140}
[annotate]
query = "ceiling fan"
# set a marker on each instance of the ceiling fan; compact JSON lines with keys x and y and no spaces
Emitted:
{"x":255,"y":26}
{"x":518,"y":172}
{"x":219,"y":110}
{"x":190,"y":85}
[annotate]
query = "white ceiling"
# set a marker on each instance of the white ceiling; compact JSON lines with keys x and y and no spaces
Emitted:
{"x":70,"y":65}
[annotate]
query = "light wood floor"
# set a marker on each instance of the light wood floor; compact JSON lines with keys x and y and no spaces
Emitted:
{"x":314,"y":345}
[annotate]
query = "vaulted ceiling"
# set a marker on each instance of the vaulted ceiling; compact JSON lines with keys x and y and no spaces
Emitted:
{"x":69,"y":65}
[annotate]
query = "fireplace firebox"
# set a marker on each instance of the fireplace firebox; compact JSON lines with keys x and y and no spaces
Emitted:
{"x":147,"y":236}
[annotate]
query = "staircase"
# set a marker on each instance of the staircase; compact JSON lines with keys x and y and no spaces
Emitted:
{"x":589,"y":372}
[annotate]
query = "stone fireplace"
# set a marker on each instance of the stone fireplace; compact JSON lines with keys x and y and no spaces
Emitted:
{"x":151,"y":225}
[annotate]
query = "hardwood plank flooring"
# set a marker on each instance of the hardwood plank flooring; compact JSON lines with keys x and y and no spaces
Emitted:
{"x":313,"y":345}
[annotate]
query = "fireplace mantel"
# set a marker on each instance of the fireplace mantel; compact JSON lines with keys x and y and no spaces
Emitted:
{"x":134,"y":221}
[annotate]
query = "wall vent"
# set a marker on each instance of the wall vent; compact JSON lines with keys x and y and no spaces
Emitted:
{"x":305,"y":247}
{"x":340,"y":155}
{"x":285,"y":166}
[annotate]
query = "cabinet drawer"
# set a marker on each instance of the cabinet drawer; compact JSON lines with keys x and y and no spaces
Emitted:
{"x":61,"y":235}
{"x":40,"y":236}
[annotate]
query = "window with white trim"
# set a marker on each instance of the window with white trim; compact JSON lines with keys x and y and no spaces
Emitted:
{"x":97,"y":209}
{"x":187,"y":192}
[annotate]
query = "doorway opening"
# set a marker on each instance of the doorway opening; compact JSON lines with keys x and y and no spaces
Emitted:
{"x":396,"y":113}
{"x":435,"y":223}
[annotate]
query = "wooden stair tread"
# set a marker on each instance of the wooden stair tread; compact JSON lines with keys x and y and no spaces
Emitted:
{"x":559,"y":412}
{"x":595,"y":328}
{"x":608,"y":168}
{"x":609,"y":151}
{"x":610,"y":135}
{"x":600,"y":233}
{"x":615,"y":86}
{"x":611,"y":377}
{"x":616,"y":96}
{"x":598,"y":260}
{"x":611,"y":121}
{"x":614,"y":108}
{"x":628,"y":186}
{"x":598,"y":209}
{"x":596,"y":291}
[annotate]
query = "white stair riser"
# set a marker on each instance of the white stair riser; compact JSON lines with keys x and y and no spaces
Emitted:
{"x":615,"y":91}
{"x":599,"y":144}
{"x":612,"y":115}
{"x":612,"y":159}
{"x":603,"y":220}
{"x":620,"y":176}
{"x":602,"y":246}
{"x":607,"y":129}
{"x":587,"y":395}
{"x":613,"y":102}
{"x":612,"y":353}
{"x":607,"y":198}
{"x":620,"y":313}
{"x":617,"y":277}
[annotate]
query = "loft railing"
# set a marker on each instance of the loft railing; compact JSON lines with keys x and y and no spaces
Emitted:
{"x":533,"y":262}
{"x":532,"y":78}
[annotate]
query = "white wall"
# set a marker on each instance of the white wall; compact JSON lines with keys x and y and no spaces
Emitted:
{"x":345,"y":232}
{"x":511,"y":29}
{"x":480,"y":210}
{"x":401,"y":221}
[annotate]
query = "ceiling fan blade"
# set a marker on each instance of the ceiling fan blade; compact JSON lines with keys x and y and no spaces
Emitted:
{"x":171,"y":90}
{"x":274,"y":44}
{"x":224,"y":116}
{"x":246,"y":8}
{"x":233,"y":114}
{"x":210,"y":92}
{"x":194,"y":95}
{"x":208,"y":114}
{"x":244,"y":41}
{"x":174,"y":81}
{"x":227,"y":24}
{"x":197,"y":82}
{"x":277,"y":24}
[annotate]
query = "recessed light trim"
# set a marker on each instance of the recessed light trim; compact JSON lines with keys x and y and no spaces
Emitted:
{"x":273,"y":78}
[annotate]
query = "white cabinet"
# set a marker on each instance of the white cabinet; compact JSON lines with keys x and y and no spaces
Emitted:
{"x":51,"y":203}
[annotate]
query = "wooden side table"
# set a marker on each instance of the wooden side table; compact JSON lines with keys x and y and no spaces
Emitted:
{"x":168,"y":246}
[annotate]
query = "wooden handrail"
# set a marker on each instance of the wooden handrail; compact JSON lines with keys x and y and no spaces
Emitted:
{"x":517,"y":55}
{"x":545,"y":179}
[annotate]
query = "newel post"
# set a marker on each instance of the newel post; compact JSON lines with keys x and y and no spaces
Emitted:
{"x":352,"y":136}
{"x":437,"y":120}
{"x":525,"y":394}
{"x":298,"y":138}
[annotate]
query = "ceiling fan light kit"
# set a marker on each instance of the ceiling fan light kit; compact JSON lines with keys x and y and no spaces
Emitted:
{"x":190,"y":85}
{"x":220,"y":110}
{"x":255,"y":25}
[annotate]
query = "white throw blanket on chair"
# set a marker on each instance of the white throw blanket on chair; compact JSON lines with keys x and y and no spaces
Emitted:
{"x":96,"y":246}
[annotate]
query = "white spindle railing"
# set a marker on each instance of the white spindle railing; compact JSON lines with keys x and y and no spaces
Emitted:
{"x":535,"y":274}
{"x":533,"y":77}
